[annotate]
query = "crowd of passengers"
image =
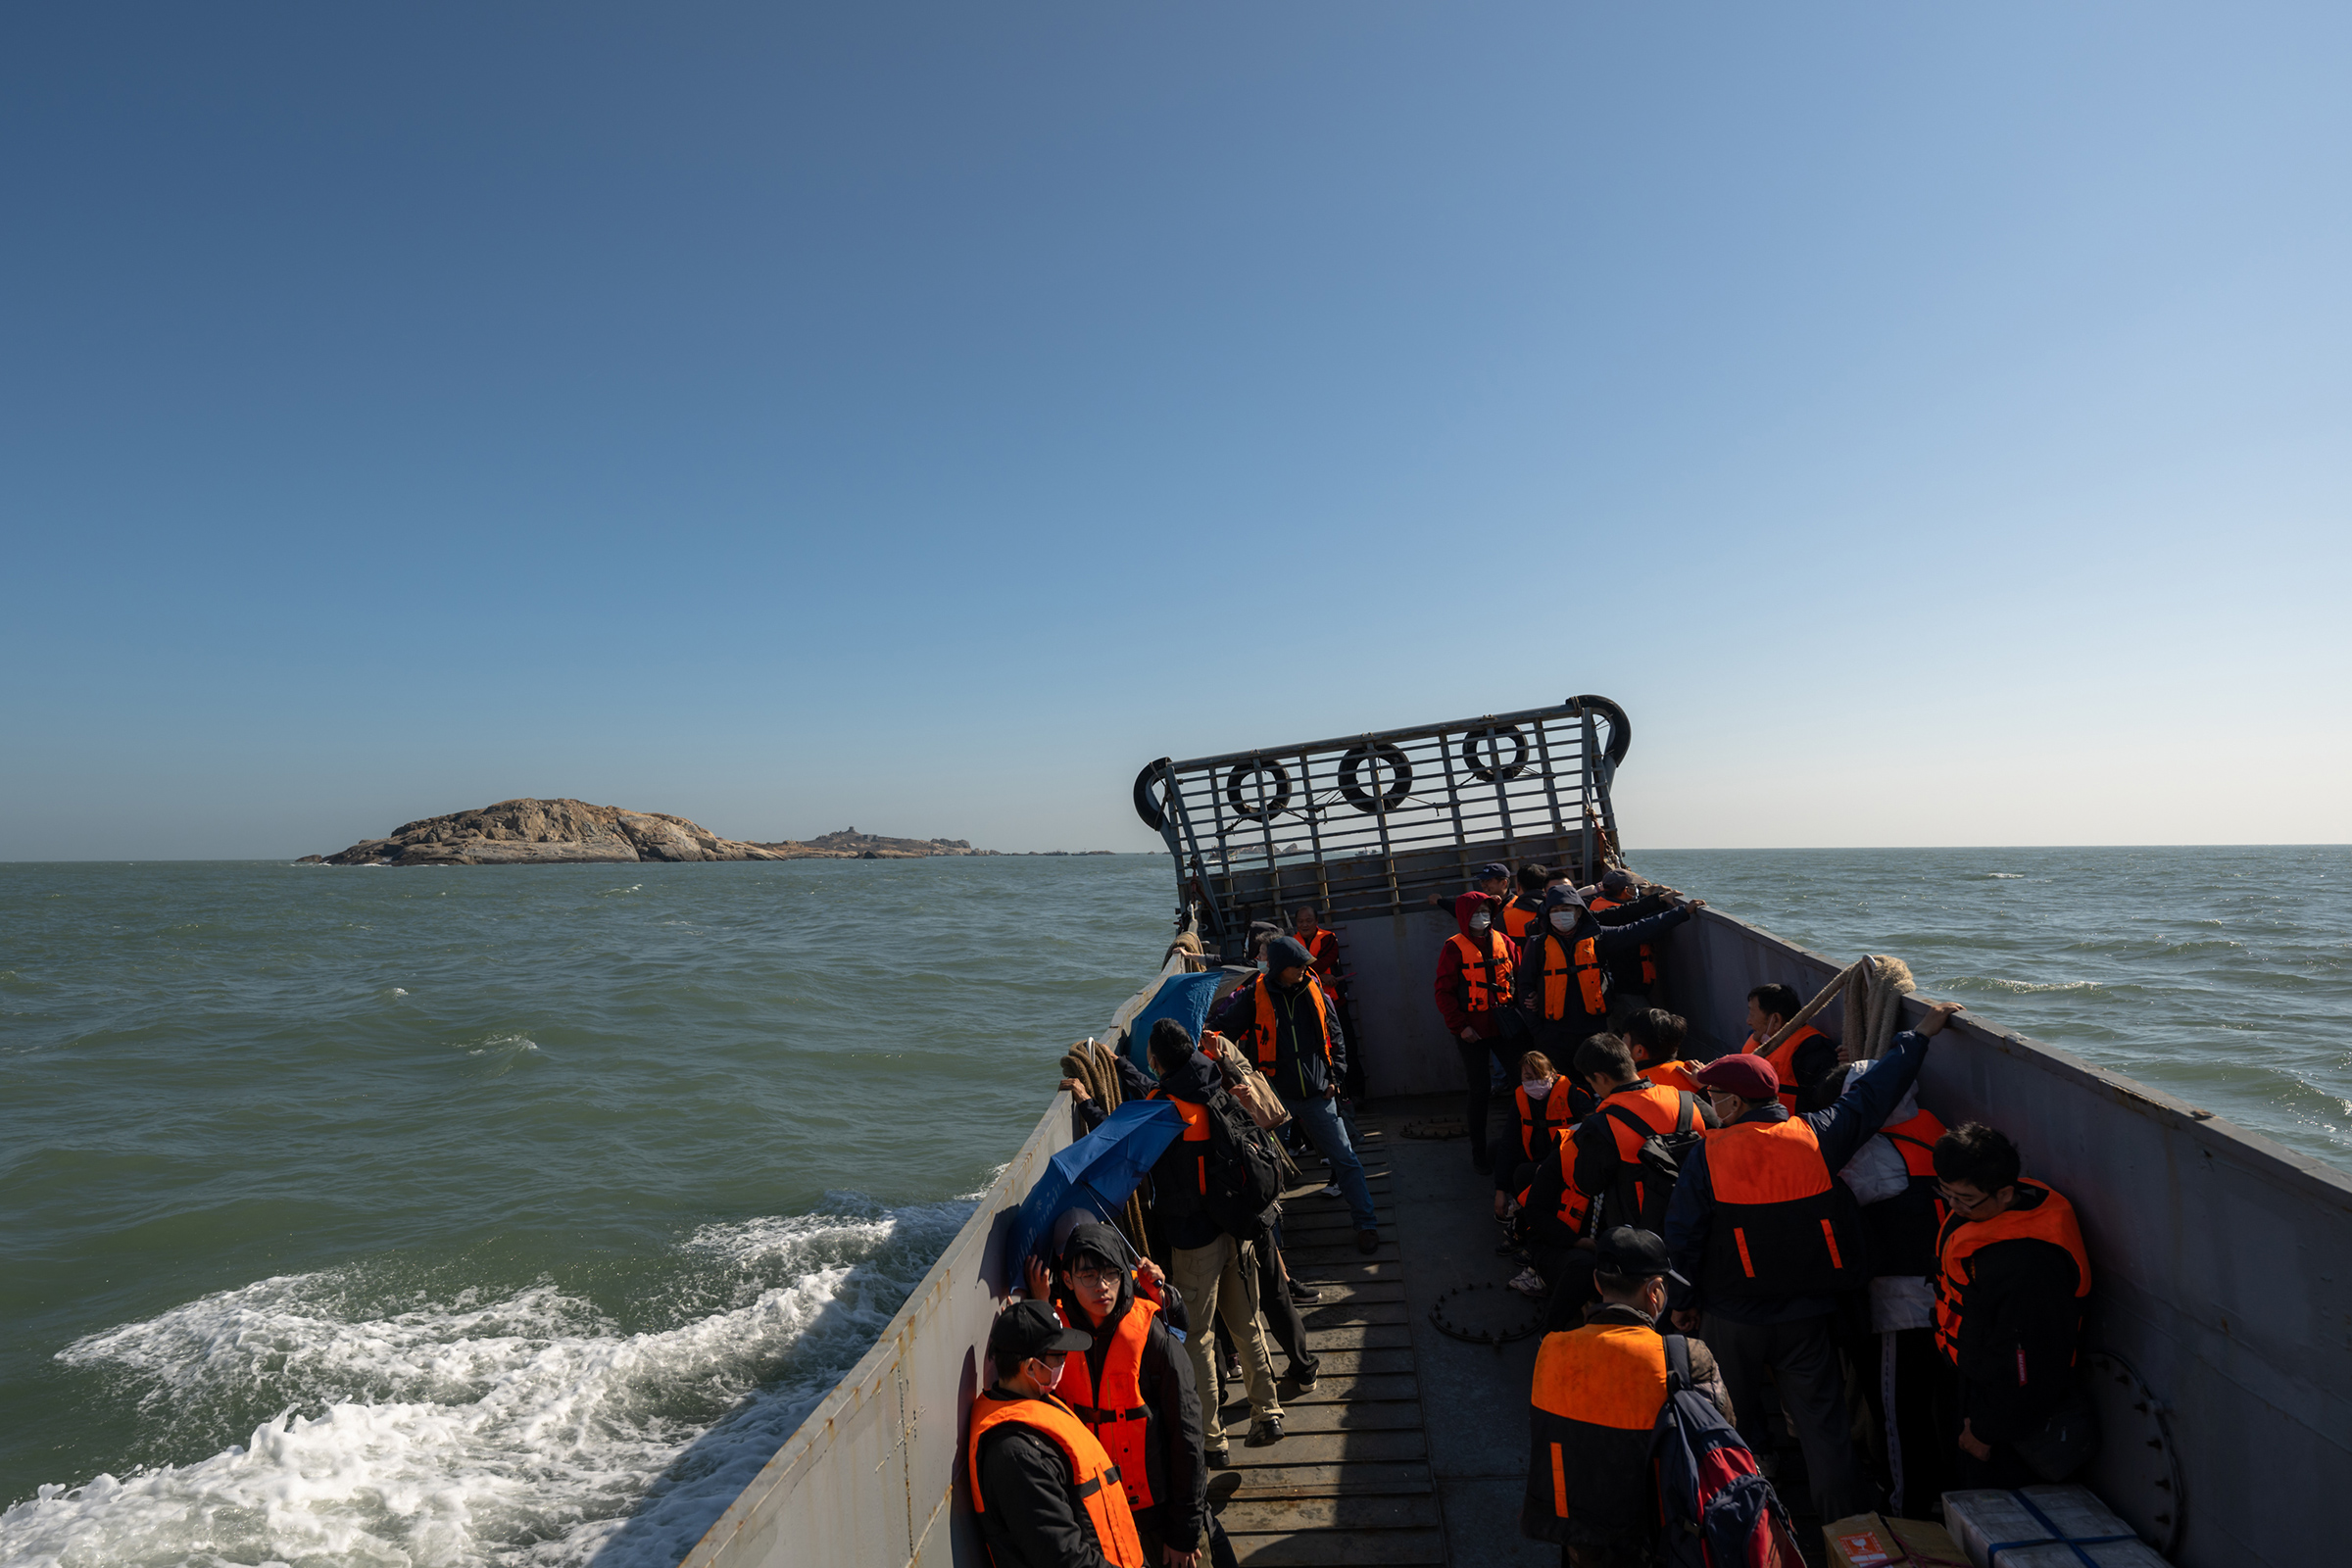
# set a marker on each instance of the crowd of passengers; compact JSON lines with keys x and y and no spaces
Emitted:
{"x":1865,"y":1294}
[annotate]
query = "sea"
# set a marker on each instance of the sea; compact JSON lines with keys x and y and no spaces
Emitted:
{"x":514,"y":1215}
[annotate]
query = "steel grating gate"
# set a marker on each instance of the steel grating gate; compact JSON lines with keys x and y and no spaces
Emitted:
{"x":1371,"y":824}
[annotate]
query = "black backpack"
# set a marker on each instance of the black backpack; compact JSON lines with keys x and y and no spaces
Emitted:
{"x":1243,"y":1178}
{"x":1643,"y":1188}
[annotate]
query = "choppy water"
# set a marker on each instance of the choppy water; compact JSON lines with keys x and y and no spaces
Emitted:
{"x":512,"y":1215}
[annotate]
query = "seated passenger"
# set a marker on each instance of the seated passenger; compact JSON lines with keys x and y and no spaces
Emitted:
{"x":2012,"y":1277}
{"x":1804,"y":1060}
{"x":1545,"y":1116}
{"x":1598,"y":1393}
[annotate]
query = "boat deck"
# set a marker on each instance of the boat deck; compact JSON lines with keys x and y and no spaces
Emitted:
{"x":1411,"y":1447}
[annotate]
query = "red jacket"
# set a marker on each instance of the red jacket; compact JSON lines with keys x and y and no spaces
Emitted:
{"x":1451,"y":989}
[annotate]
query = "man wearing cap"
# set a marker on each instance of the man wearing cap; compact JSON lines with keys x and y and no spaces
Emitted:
{"x":1477,"y":973}
{"x":1046,"y":1493}
{"x":1633,"y":967}
{"x":1290,"y":1026}
{"x":1770,"y":1241}
{"x":1595,"y":1399}
{"x":1133,"y":1387}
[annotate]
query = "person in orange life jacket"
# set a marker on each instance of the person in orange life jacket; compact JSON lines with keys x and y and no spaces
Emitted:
{"x":1291,"y":1027}
{"x":1546,"y":1115}
{"x":1893,"y":1176}
{"x":1133,"y":1387}
{"x":1633,"y":972}
{"x":1322,"y":944}
{"x":2011,"y":1279}
{"x":1604,"y":1145}
{"x":1521,"y":909}
{"x":1477,"y":973}
{"x":1772,"y":1243}
{"x":1045,"y":1493}
{"x":1564,"y":973}
{"x":1597,"y":1390}
{"x":1655,"y":1038}
{"x":1214,"y":1272}
{"x":1805,"y":1060}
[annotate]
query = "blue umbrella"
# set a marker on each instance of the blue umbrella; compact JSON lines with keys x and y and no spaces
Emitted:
{"x":1096,"y":1173}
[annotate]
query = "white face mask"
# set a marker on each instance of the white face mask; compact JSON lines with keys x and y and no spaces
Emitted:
{"x":1537,"y":1088}
{"x":1480,"y":922}
{"x":1563,"y":920}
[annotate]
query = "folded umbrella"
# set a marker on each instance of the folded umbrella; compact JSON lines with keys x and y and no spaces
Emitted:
{"x":1097,"y":1173}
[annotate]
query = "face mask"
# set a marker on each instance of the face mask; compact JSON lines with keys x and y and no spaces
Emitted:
{"x":1536,"y":1089}
{"x":1562,"y":920}
{"x":1048,"y":1384}
{"x":1480,"y":922}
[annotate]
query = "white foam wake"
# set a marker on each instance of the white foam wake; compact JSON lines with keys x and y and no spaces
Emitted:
{"x":523,"y":1429}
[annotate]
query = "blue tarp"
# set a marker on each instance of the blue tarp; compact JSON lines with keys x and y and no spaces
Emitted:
{"x":1184,"y":998}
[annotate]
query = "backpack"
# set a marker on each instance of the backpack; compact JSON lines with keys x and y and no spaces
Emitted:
{"x":1659,"y":1166}
{"x":1243,"y":1178}
{"x":1716,"y":1508}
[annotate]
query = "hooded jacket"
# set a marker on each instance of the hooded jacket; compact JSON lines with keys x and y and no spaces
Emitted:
{"x":1451,"y":994}
{"x":1610,"y":943}
{"x":1295,"y":1073}
{"x":1175,"y":1191}
{"x":1172,"y":1454}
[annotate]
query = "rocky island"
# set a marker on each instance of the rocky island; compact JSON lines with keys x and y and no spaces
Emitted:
{"x":531,"y":832}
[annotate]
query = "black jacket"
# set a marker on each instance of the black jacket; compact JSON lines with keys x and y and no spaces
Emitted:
{"x":1610,"y":944}
{"x":2023,"y":1318}
{"x":1172,"y":1458}
{"x":1175,"y":1188}
{"x":1625,"y":963}
{"x":1033,"y":1520}
{"x":1597,"y":1157}
{"x":1297,"y":1074}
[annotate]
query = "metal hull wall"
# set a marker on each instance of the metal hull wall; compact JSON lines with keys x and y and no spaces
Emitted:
{"x":2222,"y":1262}
{"x":872,"y":1476}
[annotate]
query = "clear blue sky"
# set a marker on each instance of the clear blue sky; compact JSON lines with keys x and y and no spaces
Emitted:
{"x":1933,"y":422}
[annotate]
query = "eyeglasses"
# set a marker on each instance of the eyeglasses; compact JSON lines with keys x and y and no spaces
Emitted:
{"x":1083,"y":1275}
{"x":1963,"y":1205}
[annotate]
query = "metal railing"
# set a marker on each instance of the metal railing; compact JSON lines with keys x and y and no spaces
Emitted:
{"x":1369,"y":823}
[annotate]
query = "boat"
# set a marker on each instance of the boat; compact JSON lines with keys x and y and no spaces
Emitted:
{"x":2219,"y":1346}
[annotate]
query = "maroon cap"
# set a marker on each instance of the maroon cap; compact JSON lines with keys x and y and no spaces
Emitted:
{"x":1740,"y":1073}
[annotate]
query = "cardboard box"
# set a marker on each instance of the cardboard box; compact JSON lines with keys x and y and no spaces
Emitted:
{"x":2042,"y":1527}
{"x":1928,"y":1545}
{"x":1862,"y":1542}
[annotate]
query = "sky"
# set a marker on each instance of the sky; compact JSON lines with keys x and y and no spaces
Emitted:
{"x":1932,"y":423}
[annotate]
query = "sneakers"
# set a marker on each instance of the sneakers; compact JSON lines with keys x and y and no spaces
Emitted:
{"x":1266,"y":1433}
{"x":1302,"y":1374}
{"x":1527,"y":1281}
{"x":1304,"y":1295}
{"x":1368,"y":1241}
{"x":1331,"y":1188}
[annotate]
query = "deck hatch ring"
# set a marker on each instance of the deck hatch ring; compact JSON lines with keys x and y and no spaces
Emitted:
{"x":1466,"y":1312}
{"x":1267,"y":804}
{"x":1365,"y":763}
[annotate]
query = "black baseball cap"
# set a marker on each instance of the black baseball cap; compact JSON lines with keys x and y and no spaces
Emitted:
{"x":1095,"y":1241}
{"x":1631,"y":1253}
{"x":1492,"y":871}
{"x":1032,"y":1328}
{"x":1615,"y":881}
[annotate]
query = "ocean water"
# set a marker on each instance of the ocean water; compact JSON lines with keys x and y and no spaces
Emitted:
{"x":513,"y":1214}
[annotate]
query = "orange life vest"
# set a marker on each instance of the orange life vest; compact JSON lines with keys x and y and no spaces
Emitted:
{"x":1486,"y":976}
{"x":1783,"y":1224}
{"x":1094,"y":1480}
{"x":1574,"y":1204}
{"x":1592,"y":981}
{"x":1266,"y":1021}
{"x":1517,"y":916}
{"x":1660,"y":1111}
{"x":1322,"y":946}
{"x":2051,"y":1221}
{"x":1673,"y":1075}
{"x":1595,"y":1400}
{"x":1115,"y":1413}
{"x":1542,"y":1121}
{"x":1649,"y":962}
{"x":1784,"y":1060}
{"x":1195,"y":1131}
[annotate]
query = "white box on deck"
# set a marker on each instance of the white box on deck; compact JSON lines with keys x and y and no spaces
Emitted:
{"x":2043,"y":1526}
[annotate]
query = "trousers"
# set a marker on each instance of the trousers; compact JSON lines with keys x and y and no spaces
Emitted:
{"x":1220,"y":1281}
{"x":1801,"y":1359}
{"x":1320,"y":1120}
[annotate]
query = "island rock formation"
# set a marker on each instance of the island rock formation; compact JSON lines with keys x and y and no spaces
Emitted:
{"x":851,"y":845}
{"x":546,"y":832}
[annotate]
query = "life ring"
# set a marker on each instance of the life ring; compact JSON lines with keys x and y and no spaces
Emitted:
{"x":1382,"y":752}
{"x":1482,"y":748}
{"x":1145,"y":806}
{"x":1268,"y":807}
{"x":1621,"y":728}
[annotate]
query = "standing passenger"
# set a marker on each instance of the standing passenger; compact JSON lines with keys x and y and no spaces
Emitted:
{"x":1476,"y":971}
{"x":1291,"y":1029}
{"x":1633,"y":970}
{"x":1564,"y":974}
{"x":1520,"y":913}
{"x":2013,"y":1273}
{"x":1772,"y":1239}
{"x":1322,"y":944}
{"x":1046,"y":1493}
